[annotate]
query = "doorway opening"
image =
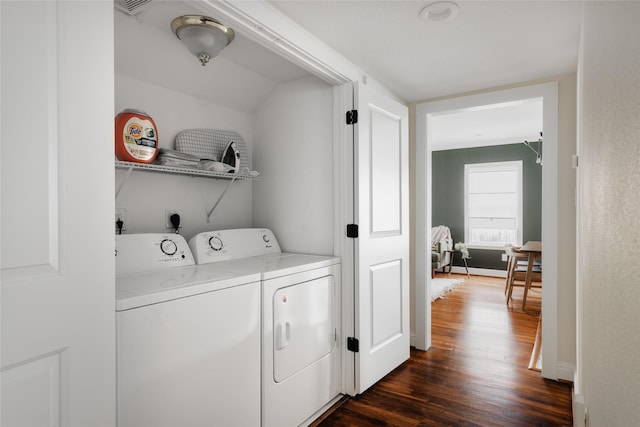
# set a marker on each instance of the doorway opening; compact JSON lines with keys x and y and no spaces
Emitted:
{"x":486,"y":181}
{"x":486,"y":190}
{"x":425,"y":114}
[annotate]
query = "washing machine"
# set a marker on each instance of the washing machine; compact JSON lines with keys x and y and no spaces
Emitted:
{"x":301,"y":356}
{"x":188,"y":338}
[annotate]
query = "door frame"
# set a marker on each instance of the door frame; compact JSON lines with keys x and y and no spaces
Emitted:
{"x":549,"y":94}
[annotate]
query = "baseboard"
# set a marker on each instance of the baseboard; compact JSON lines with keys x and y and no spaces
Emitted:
{"x":579,"y":410}
{"x":566,"y":371}
{"x":480,"y":271}
{"x":412,"y":342}
{"x":325,"y":411}
{"x":412,"y":339}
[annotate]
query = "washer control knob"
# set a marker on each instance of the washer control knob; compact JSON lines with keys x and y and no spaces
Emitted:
{"x":168,"y":247}
{"x":215,"y":243}
{"x":265,"y":237}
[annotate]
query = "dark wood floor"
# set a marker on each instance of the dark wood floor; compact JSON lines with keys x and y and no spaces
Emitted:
{"x":476,"y":373}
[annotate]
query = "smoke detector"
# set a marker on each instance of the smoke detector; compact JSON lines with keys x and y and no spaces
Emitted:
{"x":440,"y":11}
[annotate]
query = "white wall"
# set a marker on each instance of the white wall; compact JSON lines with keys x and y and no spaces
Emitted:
{"x":609,"y":208}
{"x":293,"y":131}
{"x":147,"y":195}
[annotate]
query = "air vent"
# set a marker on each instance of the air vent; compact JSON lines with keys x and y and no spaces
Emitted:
{"x":132,"y":7}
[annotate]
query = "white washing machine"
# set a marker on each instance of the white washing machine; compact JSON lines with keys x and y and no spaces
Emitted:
{"x":301,"y":358}
{"x":188,"y":338}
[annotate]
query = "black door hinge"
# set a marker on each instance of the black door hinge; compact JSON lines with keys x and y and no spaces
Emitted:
{"x":352,"y":117}
{"x":352,"y":231}
{"x":353,"y":344}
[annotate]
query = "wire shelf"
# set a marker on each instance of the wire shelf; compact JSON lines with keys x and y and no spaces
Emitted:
{"x":182,"y":171}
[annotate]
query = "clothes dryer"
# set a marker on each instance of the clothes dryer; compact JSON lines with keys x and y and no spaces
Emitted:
{"x":301,"y":358}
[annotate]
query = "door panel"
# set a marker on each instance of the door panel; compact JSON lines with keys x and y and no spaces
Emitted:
{"x":58,"y":330}
{"x":381,"y":280}
{"x":386,"y":303}
{"x":385,"y":170}
{"x":31,"y":392}
{"x":29,"y":148}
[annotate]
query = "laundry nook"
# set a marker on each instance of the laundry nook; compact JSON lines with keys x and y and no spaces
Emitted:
{"x":232,"y":306}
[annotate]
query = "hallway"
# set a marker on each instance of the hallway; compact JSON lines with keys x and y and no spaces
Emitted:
{"x":476,"y":373}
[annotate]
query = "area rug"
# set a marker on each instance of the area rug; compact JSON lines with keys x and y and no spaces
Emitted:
{"x":439,"y":287}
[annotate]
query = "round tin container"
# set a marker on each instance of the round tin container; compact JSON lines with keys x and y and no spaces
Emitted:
{"x":136,"y":137}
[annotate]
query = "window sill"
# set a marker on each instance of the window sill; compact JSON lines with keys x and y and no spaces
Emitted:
{"x":486,"y":247}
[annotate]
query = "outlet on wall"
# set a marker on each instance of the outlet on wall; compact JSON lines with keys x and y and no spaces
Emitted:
{"x":121,"y":214}
{"x":504,"y":257}
{"x":167,"y":217}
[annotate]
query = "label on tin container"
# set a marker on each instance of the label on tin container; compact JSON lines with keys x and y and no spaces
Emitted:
{"x":139,"y":137}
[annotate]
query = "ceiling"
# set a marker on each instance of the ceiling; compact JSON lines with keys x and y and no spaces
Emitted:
{"x":488,"y":44}
{"x":498,"y":124}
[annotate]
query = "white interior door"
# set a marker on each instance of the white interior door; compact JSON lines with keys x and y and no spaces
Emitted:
{"x":58,"y":320}
{"x":381,"y":251}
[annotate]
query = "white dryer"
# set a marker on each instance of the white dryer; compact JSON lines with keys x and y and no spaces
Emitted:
{"x":188,"y":338}
{"x":301,"y":358}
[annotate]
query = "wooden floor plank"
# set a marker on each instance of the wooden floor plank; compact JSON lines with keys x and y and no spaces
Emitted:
{"x":476,"y":373}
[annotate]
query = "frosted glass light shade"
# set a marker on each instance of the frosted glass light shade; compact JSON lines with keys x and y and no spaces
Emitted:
{"x":203,"y":36}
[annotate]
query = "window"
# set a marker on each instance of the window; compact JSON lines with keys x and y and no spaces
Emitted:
{"x":493,"y":204}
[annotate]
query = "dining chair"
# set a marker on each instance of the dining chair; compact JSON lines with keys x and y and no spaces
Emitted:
{"x":514,"y":258}
{"x":517,"y":273}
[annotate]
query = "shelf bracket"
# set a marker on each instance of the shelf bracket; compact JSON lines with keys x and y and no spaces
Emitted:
{"x":215,"y":205}
{"x":129,"y":170}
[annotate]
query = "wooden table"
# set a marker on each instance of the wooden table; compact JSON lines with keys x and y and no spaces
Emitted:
{"x":534,"y":250}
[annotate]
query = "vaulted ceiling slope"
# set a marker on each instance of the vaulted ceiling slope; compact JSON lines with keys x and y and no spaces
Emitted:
{"x":240,"y":77}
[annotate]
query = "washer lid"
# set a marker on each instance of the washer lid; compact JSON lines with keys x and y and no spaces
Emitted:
{"x":141,"y":289}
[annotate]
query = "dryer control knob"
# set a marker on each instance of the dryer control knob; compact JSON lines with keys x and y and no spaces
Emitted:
{"x":215,"y":243}
{"x":168,"y":247}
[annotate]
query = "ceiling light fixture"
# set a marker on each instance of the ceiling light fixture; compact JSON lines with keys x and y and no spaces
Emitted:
{"x":440,"y":11}
{"x":537,"y":150}
{"x":204,"y":37}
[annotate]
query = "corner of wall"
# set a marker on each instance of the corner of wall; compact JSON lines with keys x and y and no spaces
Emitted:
{"x":579,"y":409}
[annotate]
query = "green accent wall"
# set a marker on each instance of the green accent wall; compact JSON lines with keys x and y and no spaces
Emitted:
{"x":448,"y":195}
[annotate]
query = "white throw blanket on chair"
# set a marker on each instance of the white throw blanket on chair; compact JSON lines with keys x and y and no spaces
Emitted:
{"x":439,"y":233}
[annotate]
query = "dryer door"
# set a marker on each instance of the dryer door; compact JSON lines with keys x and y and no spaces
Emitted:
{"x":303,"y":325}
